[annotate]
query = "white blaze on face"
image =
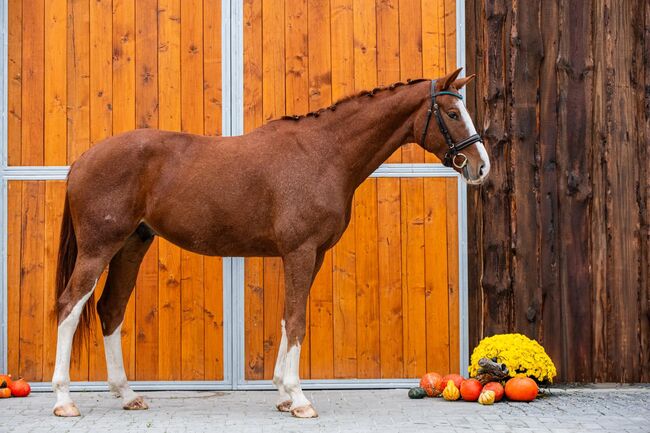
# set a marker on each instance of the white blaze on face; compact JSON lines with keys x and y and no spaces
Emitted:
{"x":117,"y":380}
{"x":469,"y":124}
{"x":65,"y":335}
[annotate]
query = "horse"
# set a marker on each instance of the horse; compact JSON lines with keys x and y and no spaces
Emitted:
{"x":284,"y":189}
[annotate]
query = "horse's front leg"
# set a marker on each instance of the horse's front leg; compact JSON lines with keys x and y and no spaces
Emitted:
{"x":299,"y":270}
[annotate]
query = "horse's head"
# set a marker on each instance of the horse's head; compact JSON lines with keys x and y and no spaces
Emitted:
{"x":447,"y":129}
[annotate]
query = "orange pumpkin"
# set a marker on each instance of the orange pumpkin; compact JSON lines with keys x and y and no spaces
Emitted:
{"x":457,"y":378}
{"x":6,"y":379}
{"x":521,"y":388}
{"x":497,"y":388}
{"x":20,"y":388}
{"x":5,"y":393}
{"x":470,"y":389}
{"x":430,"y":382}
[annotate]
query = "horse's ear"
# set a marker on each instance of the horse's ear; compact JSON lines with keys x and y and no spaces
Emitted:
{"x":448,"y":79}
{"x":461,"y":82}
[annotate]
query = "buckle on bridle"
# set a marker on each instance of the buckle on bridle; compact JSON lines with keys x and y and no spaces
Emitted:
{"x":461,"y":165}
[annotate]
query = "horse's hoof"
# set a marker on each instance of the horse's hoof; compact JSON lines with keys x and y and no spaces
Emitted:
{"x":67,"y":410}
{"x":137,"y":403}
{"x":285,"y":406}
{"x":304,"y":412}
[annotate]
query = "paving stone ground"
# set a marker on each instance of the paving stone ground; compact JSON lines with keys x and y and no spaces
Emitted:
{"x":618,"y":409}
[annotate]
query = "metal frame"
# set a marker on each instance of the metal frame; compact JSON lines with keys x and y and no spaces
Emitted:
{"x":233,"y":267}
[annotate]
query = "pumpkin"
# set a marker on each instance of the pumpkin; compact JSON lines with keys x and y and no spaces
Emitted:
{"x":451,"y":392}
{"x":486,"y":397}
{"x":5,"y":379}
{"x":430,"y":383}
{"x":417,"y":392}
{"x":5,"y":393}
{"x":457,"y":378}
{"x":497,"y":388}
{"x":20,"y":388}
{"x":521,"y":388}
{"x":470,"y":389}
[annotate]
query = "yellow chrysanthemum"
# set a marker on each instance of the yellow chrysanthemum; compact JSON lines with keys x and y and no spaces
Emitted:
{"x":518,"y":352}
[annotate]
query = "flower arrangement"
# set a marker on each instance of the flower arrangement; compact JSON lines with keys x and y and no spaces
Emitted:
{"x":519,"y":353}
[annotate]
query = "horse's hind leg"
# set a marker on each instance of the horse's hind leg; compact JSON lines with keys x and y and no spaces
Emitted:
{"x":120,"y":282}
{"x":79,"y":289}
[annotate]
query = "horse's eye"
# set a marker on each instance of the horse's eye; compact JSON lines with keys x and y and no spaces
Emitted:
{"x":452,"y":115}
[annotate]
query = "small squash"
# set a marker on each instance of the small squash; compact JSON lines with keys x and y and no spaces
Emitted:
{"x":430,"y":383}
{"x":451,"y":392}
{"x":486,"y":397}
{"x":417,"y":392}
{"x":5,"y":393}
{"x":521,"y":388}
{"x":457,"y":378}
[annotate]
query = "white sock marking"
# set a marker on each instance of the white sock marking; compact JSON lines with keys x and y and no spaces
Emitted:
{"x":117,"y":380}
{"x":292,"y":379}
{"x":65,"y":335}
{"x":278,"y":372}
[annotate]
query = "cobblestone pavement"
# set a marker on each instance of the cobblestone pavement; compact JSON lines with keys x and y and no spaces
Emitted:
{"x":621,"y":409}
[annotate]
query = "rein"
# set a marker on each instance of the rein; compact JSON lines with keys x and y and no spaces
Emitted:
{"x":454,"y":149}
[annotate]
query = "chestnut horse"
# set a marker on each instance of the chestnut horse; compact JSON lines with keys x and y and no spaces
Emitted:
{"x":284,"y":189}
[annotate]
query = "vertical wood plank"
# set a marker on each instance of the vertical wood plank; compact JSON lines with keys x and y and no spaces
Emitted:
{"x":31,"y":281}
{"x":450,"y":35}
{"x":253,"y":101}
{"x":388,"y":55}
{"x":320,"y":323}
{"x":367,"y":265}
{"x":55,"y":147}
{"x":254,"y":291}
{"x":14,"y":81}
{"x":433,"y":46}
{"x":14,"y":253}
{"x":213,"y":279}
{"x":413,"y":301}
{"x":78,"y":78}
{"x":169,"y":255}
{"x":342,"y":48}
{"x":410,"y":47}
{"x":389,"y":250}
{"x":273,"y":311}
{"x":33,"y":82}
{"x":212,"y":67}
{"x":453,"y":281}
{"x":436,"y":274}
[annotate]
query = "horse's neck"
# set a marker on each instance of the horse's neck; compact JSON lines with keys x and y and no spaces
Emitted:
{"x":369,"y":129}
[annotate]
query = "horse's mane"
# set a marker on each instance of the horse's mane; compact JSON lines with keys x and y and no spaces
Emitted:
{"x":352,"y":97}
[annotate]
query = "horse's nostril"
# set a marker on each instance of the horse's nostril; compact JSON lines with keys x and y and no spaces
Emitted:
{"x":480,"y":170}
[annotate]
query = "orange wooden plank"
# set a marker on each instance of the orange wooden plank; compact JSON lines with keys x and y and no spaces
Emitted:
{"x":169,"y":300}
{"x":146,"y":112}
{"x":342,"y":37}
{"x":14,"y":253}
{"x":78,"y":61}
{"x":433,"y":46}
{"x":273,"y":90}
{"x":124,"y":120}
{"x":14,"y":80}
{"x":253,"y":101}
{"x":55,"y":82}
{"x":169,"y":255}
{"x":452,"y":275}
{"x":192,"y":265}
{"x":300,"y":69}
{"x":273,"y":311}
{"x":388,"y":55}
{"x":31,"y":281}
{"x":435,"y":256}
{"x":368,"y":349}
{"x":33,"y":82}
{"x":212,"y":66}
{"x":320,"y":323}
{"x":389,"y":250}
{"x":413,"y":277}
{"x":213,"y":285}
{"x":254,"y":318}
{"x":410,"y":41}
{"x":345,"y":304}
{"x":450,"y":35}
{"x":54,"y":200}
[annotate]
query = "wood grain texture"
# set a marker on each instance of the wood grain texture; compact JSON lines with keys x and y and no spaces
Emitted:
{"x":560,"y":232}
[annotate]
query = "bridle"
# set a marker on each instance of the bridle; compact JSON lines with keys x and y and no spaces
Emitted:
{"x":454,"y":149}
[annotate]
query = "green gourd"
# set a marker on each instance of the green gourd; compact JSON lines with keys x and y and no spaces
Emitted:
{"x":417,"y":392}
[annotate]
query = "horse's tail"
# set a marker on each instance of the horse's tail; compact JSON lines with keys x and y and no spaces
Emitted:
{"x":65,"y":265}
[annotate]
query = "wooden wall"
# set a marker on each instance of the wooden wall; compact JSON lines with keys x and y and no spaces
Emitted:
{"x":385,"y":304}
{"x":560,"y":233}
{"x":79,"y":71}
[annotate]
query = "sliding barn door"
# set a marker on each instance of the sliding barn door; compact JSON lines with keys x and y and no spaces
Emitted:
{"x":385,"y":303}
{"x":79,"y":71}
